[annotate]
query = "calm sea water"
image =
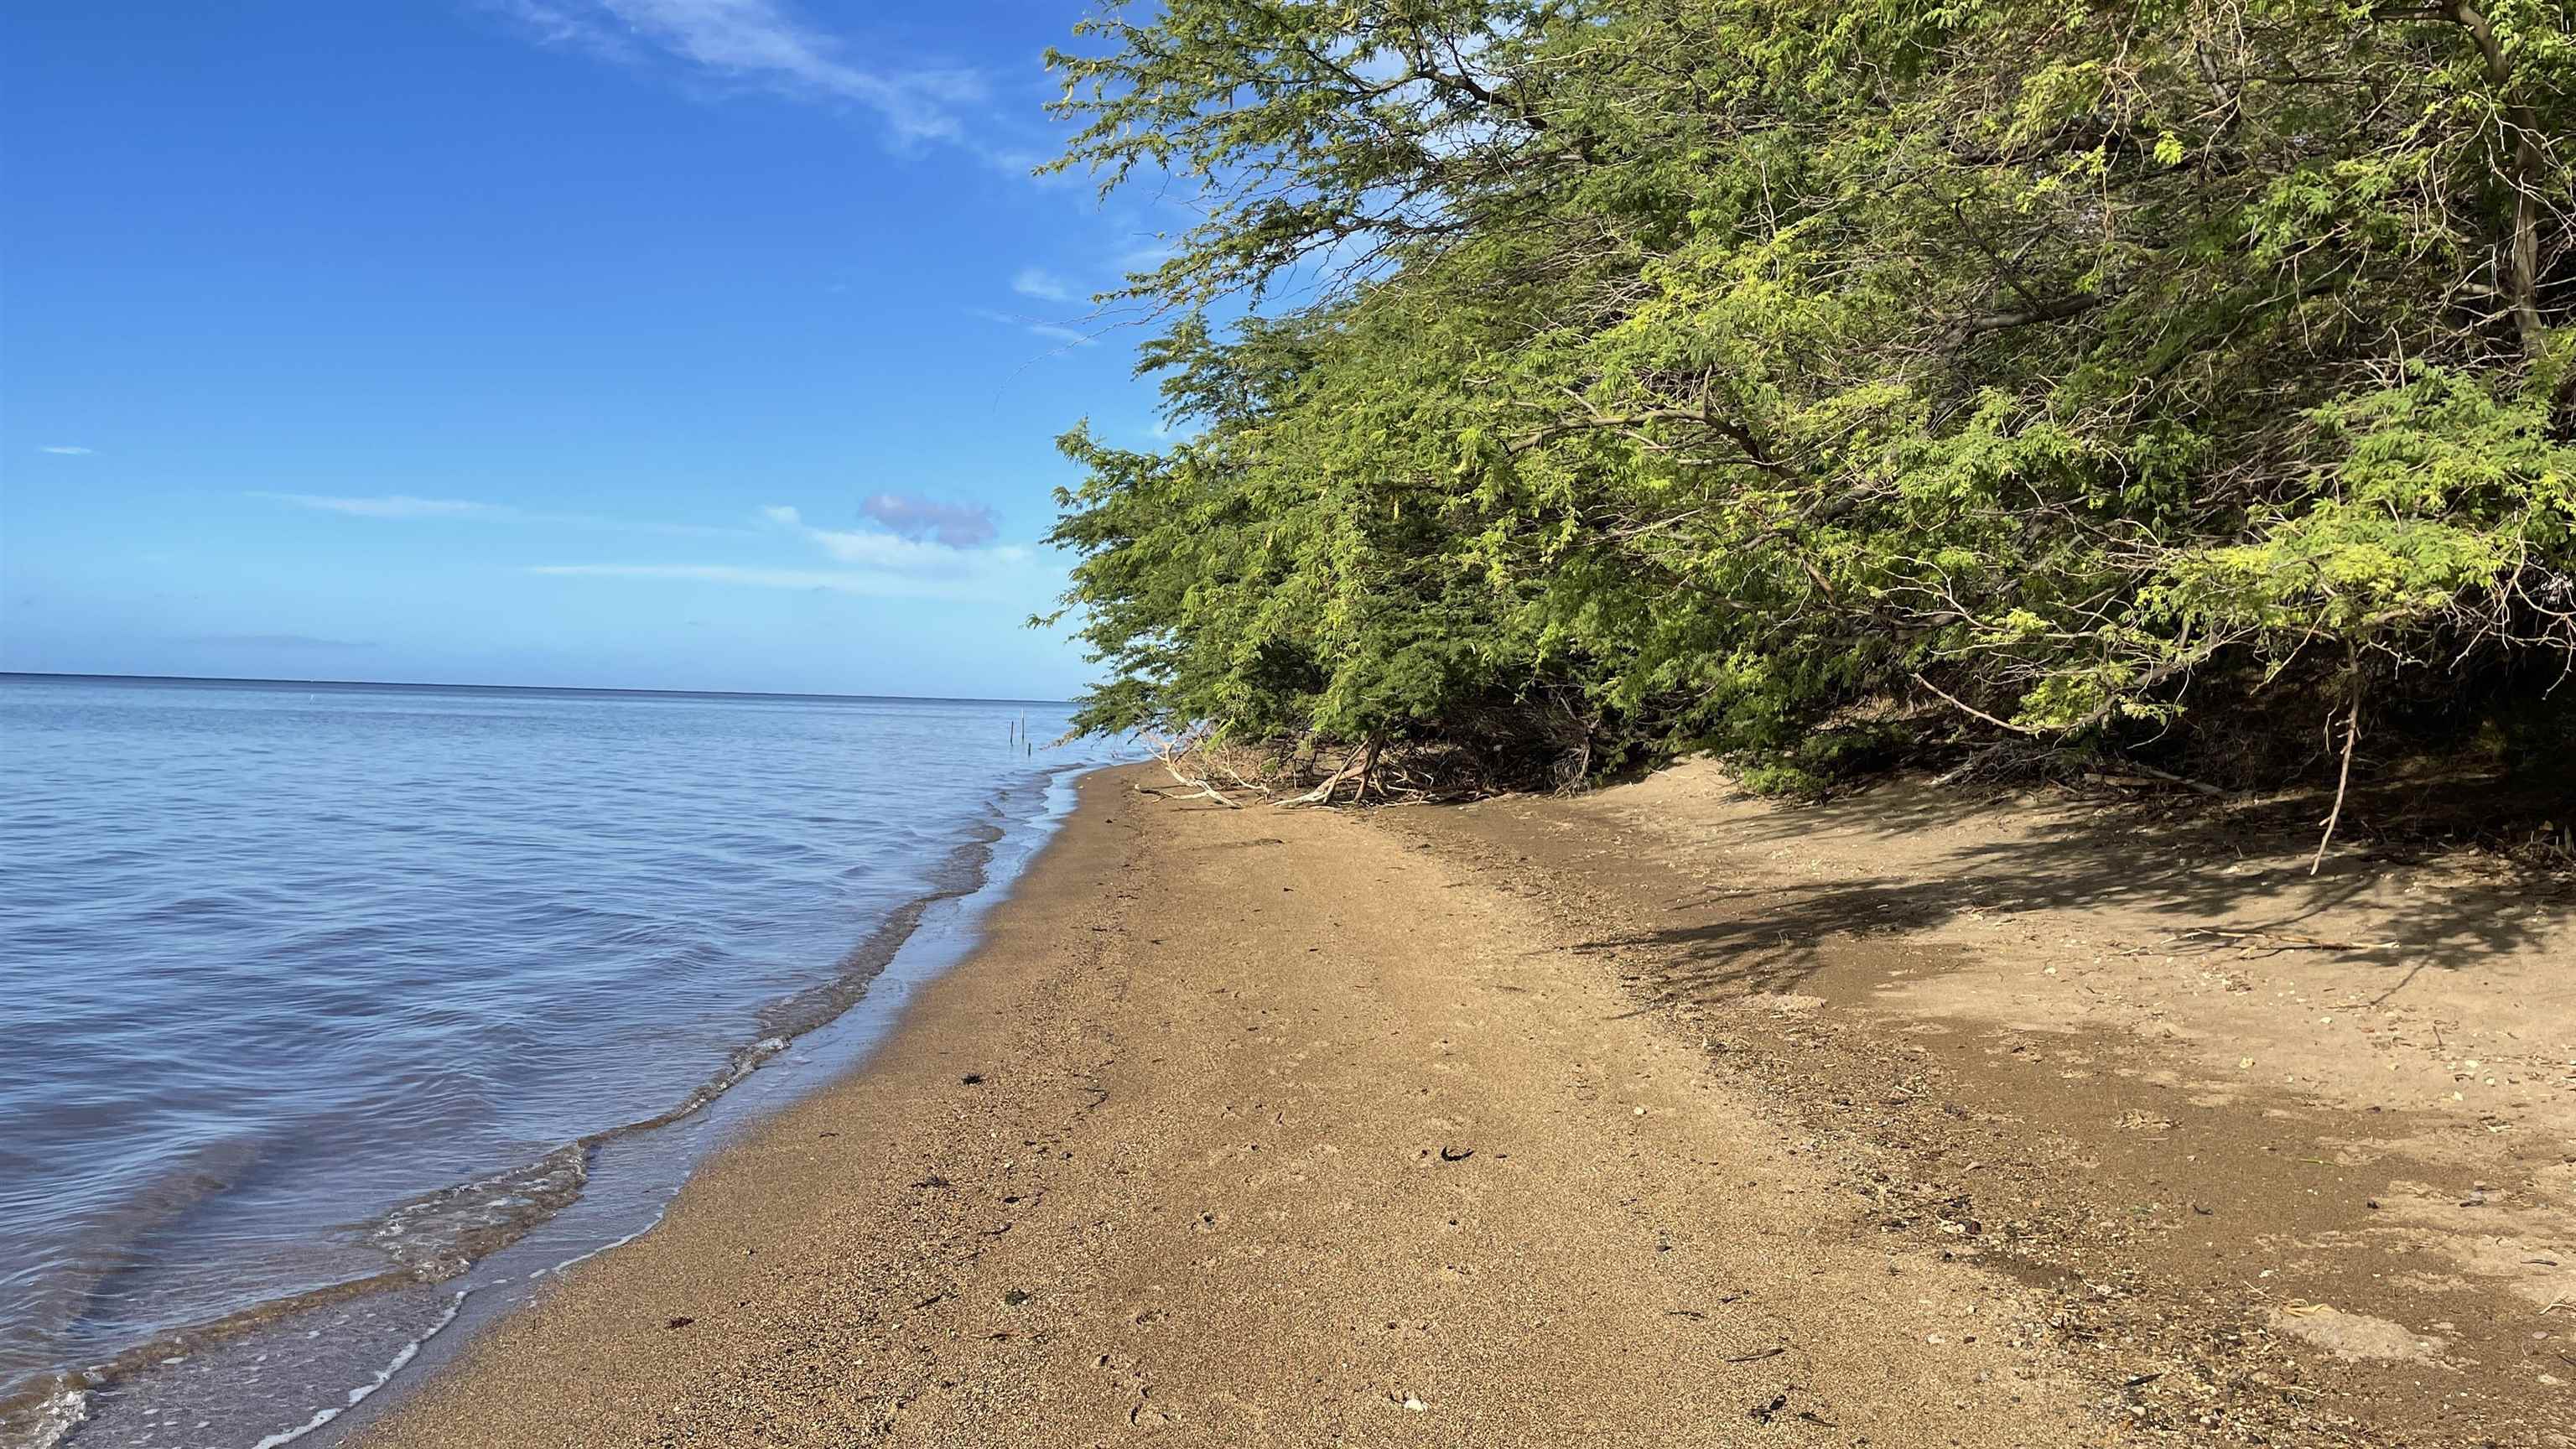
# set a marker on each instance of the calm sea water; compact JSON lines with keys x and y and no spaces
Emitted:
{"x":316,"y":995}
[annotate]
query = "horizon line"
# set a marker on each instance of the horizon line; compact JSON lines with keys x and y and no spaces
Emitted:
{"x":522,"y":688}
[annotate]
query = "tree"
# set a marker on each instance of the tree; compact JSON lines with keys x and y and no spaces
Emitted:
{"x":1616,"y":375}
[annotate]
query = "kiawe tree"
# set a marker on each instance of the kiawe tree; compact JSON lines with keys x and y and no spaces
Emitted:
{"x":1608,"y":376}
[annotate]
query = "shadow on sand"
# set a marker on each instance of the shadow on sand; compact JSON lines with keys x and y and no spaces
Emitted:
{"x":2163,"y":871}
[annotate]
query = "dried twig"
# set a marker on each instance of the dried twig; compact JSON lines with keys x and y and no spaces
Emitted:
{"x":2343,"y":783}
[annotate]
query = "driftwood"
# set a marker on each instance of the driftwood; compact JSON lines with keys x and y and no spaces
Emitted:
{"x":1195,"y":762}
{"x":1173,"y":750}
{"x":1363,"y":761}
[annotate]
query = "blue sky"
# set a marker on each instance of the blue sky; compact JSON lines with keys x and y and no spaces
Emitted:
{"x":658,"y":343}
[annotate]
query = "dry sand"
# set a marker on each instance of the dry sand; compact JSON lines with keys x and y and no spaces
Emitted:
{"x":1659,"y":1117}
{"x":2293,"y":1156}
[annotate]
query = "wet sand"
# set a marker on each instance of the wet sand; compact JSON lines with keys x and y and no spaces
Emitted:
{"x":1269,"y":1127}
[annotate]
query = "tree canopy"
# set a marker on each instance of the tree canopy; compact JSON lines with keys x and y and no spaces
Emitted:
{"x":1562,"y":381}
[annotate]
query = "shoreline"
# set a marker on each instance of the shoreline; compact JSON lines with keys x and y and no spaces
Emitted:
{"x":1628,"y":1118}
{"x":586,"y":1197}
{"x":1253,"y":1127}
{"x":936,"y":1003}
{"x":1545,"y":1121}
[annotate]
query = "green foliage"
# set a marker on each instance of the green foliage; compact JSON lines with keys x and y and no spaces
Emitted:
{"x":1625,"y":373}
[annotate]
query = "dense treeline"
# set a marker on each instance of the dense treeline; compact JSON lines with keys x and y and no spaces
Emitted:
{"x":1598,"y":377}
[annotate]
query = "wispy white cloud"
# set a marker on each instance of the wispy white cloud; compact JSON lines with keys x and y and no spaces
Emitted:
{"x":925,"y":537}
{"x":392,"y":505}
{"x":867,"y":562}
{"x":1044,"y":285}
{"x":1055,"y":332}
{"x":1026,"y":163}
{"x":65,"y":450}
{"x":758,"y":42}
{"x":862,"y":583}
{"x":839,"y":581}
{"x":403,"y":506}
{"x":1147,"y":255}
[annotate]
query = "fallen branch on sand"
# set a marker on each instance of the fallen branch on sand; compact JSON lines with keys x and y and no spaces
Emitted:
{"x":2169,"y":777}
{"x":1372,"y":769}
{"x":1173,"y":750}
{"x":2278,"y":942}
{"x":1362,"y":760}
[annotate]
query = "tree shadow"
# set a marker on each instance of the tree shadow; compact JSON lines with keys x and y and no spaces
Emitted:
{"x":2158,"y":875}
{"x":1770,"y":941}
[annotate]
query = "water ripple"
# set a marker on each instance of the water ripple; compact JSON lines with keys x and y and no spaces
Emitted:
{"x":326,"y":977}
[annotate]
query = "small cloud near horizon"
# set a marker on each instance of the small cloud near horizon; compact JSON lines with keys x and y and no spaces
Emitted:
{"x":923,"y":548}
{"x":922,"y":534}
{"x":278,"y":641}
{"x":65,"y":450}
{"x":958,"y":525}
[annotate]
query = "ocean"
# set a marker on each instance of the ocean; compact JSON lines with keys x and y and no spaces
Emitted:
{"x":336,"y":1014}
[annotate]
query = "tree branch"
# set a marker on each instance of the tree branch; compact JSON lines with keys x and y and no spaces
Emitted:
{"x":2045,"y":311}
{"x":1972,"y":709}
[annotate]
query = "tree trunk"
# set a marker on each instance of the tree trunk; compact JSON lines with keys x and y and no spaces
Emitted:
{"x":2518,"y":259}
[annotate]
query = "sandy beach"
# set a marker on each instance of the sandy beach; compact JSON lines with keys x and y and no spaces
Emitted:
{"x":1440,"y":1126}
